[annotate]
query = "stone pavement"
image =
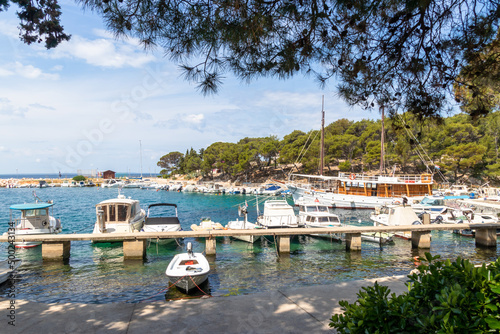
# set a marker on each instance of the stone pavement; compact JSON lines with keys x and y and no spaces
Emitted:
{"x":294,"y":310}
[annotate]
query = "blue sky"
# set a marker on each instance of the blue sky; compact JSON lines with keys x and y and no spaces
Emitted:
{"x":88,"y":103}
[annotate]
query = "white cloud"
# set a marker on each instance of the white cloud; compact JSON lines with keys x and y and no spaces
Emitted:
{"x":31,"y":72}
{"x":25,"y":71}
{"x":5,"y":73}
{"x":103,"y":52}
{"x":194,"y":119}
{"x":7,"y":108}
{"x":9,"y":29}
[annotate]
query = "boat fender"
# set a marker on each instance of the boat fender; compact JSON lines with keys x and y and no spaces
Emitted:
{"x":417,"y":222}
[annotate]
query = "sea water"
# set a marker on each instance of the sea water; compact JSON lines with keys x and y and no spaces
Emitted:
{"x":97,"y":273}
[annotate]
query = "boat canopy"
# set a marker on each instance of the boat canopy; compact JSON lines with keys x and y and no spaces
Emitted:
{"x":31,"y":206}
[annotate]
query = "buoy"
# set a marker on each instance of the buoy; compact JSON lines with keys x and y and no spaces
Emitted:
{"x":352,"y":176}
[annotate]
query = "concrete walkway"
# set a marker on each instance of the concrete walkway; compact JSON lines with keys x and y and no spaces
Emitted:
{"x":298,"y":310}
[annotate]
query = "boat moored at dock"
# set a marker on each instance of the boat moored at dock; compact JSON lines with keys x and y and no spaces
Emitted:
{"x":188,"y":270}
{"x":277,"y":213}
{"x":119,"y":215}
{"x":360,"y":191}
{"x":32,"y":219}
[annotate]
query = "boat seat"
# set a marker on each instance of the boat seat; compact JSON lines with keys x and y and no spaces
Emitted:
{"x":162,"y":221}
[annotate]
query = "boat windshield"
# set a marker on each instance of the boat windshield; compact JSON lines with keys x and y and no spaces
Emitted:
{"x":35,"y":213}
{"x":432,"y":201}
{"x":316,"y":208}
{"x":328,"y":220}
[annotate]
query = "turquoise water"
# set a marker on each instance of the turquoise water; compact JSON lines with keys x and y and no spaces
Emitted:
{"x":98,"y":274}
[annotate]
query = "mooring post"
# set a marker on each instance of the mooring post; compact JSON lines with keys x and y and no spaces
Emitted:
{"x":486,"y":237}
{"x":422,"y":239}
{"x":134,"y":249}
{"x":353,"y":241}
{"x":210,"y":246}
{"x":56,"y":250}
{"x":283,"y":244}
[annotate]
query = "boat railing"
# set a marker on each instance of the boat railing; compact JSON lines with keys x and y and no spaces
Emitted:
{"x":418,"y":179}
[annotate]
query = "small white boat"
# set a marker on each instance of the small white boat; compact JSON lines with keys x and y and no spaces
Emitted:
{"x":7,"y":267}
{"x":396,"y":215}
{"x":34,"y":219}
{"x":243,"y":225}
{"x":277,"y":213}
{"x":207,"y":224}
{"x":118,"y":215}
{"x":112,"y":183}
{"x":188,"y":270}
{"x":316,"y":215}
{"x":162,"y":224}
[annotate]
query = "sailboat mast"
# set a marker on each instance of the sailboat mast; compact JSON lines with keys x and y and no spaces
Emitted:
{"x":382,"y":135}
{"x":140,"y":148}
{"x":322,"y":148}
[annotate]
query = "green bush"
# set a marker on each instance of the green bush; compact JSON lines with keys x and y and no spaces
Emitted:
{"x":79,"y":178}
{"x":345,"y":166}
{"x":442,"y":297}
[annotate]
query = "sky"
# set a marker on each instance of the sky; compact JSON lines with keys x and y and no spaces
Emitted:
{"x":99,"y":103}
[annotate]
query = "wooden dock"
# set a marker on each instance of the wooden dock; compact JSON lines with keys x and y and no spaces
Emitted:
{"x":57,"y":247}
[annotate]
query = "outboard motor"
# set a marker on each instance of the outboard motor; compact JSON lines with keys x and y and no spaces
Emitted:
{"x":438,"y":220}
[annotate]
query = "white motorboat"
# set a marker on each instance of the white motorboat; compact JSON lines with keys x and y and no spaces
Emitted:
{"x":315,"y":215}
{"x":169,"y":223}
{"x":7,"y":267}
{"x":243,"y":225}
{"x":32,"y":219}
{"x":112,"y":183}
{"x":396,"y":215}
{"x":207,"y":224}
{"x":465,"y":215}
{"x":433,"y":205}
{"x":188,"y":270}
{"x":277,"y":213}
{"x":151,"y":185}
{"x":118,"y":215}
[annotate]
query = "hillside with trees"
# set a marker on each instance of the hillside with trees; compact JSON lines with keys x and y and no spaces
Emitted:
{"x":462,"y":148}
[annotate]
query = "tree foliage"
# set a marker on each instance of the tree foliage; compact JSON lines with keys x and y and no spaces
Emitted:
{"x":399,"y":55}
{"x":39,"y":21}
{"x":461,"y":146}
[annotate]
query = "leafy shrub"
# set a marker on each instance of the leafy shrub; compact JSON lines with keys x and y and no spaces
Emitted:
{"x":79,"y":178}
{"x":345,"y":166}
{"x":442,"y":297}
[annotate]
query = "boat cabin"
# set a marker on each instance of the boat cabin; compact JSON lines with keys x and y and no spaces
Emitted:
{"x":119,"y":215}
{"x":32,"y":216}
{"x":278,"y":213}
{"x":384,"y":186}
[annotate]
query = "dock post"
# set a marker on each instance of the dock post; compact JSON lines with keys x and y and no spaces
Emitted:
{"x":210,"y":246}
{"x":422,"y":239}
{"x":486,"y":237}
{"x":56,"y":250}
{"x":283,"y":244}
{"x":134,"y":249}
{"x":353,"y":241}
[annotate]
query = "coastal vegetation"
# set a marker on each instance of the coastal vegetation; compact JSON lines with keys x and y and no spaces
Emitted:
{"x":443,"y":297}
{"x":461,"y":148}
